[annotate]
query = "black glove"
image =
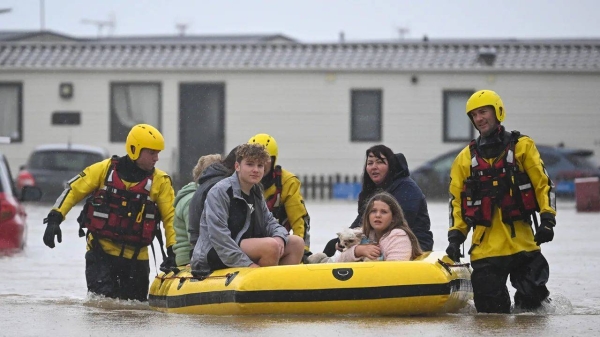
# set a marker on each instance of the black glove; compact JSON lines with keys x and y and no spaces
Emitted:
{"x":169,"y":262}
{"x":453,"y":251}
{"x":545,"y":233}
{"x":53,"y":228}
{"x":455,"y":238}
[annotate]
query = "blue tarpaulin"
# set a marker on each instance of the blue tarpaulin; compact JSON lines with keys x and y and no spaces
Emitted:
{"x":348,"y":191}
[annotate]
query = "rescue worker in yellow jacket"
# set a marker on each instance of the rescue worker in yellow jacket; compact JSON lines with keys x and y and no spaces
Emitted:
{"x":282,"y":193}
{"x":498,"y":183}
{"x":128,"y":197}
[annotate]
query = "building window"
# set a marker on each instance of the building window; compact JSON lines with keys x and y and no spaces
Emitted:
{"x":366,"y":115}
{"x":11,"y":113}
{"x":457,"y":125}
{"x":131,"y":104}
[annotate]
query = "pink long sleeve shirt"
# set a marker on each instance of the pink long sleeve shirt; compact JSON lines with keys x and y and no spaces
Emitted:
{"x":395,"y":246}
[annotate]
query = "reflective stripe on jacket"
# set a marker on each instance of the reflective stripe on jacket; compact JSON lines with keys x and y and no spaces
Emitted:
{"x":92,"y":178}
{"x":294,"y":215}
{"x":500,"y":183}
{"x":128,"y":216}
{"x":497,"y":240}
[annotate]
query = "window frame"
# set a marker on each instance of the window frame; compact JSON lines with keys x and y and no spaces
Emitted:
{"x":19,"y":86}
{"x":446,"y":94}
{"x":112,"y":111}
{"x":353,"y":113}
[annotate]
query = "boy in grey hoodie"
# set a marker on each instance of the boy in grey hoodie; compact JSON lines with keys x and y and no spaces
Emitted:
{"x":236,"y":227}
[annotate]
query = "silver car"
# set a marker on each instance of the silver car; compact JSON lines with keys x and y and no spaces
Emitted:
{"x":563,"y":165}
{"x":51,"y":166}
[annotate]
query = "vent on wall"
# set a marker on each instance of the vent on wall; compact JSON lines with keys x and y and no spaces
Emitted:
{"x":66,"y":118}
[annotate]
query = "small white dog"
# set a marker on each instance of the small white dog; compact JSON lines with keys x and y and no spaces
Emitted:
{"x":348,"y":238}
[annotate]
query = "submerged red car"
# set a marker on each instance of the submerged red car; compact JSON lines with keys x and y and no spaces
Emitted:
{"x":13,"y":225}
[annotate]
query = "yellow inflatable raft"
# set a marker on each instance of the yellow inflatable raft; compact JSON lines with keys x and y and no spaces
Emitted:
{"x":432,"y":284}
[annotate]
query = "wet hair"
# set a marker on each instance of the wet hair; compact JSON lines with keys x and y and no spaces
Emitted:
{"x":252,"y":151}
{"x":368,"y":186}
{"x":398,"y":221}
{"x":203,"y":163}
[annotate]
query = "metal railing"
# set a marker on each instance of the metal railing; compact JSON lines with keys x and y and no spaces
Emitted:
{"x":329,"y":186}
{"x":316,"y":187}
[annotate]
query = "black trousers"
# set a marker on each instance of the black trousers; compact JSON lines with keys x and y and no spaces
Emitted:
{"x":214,"y":261}
{"x":116,"y":277}
{"x":529,"y":273}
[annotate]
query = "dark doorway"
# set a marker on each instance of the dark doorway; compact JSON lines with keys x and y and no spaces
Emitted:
{"x":201,"y":125}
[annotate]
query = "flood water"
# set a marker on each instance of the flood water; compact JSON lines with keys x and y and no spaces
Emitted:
{"x":43,"y":291}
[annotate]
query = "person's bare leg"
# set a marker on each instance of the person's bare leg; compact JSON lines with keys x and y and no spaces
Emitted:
{"x":293,"y":252}
{"x":263,"y":251}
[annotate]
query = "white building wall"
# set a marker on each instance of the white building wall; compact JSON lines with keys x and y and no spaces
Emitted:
{"x":309,"y":113}
{"x":314,"y":134}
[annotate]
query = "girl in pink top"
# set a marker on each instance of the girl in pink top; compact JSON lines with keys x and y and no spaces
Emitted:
{"x":385,"y":227}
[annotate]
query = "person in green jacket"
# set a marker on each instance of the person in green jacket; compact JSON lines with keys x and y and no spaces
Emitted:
{"x":182,"y":247}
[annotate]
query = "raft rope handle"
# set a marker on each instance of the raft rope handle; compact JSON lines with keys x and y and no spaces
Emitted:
{"x":456,"y":265}
{"x":201,"y":278}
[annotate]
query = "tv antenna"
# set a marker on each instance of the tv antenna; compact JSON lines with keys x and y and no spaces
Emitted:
{"x":403,"y":31}
{"x":182,"y":27}
{"x":100,"y":24}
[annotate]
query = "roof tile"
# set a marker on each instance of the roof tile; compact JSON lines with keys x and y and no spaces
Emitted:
{"x":563,"y":55}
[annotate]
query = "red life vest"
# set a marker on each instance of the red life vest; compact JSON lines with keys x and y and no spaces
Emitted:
{"x":126,"y":216}
{"x":499,"y":184}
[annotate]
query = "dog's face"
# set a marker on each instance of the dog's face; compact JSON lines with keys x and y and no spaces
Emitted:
{"x":349,"y":237}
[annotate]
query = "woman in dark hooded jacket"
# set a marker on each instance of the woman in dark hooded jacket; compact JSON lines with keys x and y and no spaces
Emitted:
{"x":386,"y":171}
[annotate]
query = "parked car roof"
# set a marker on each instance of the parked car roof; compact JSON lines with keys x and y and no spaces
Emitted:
{"x":562,"y":163}
{"x":51,"y":166}
{"x":74,"y":147}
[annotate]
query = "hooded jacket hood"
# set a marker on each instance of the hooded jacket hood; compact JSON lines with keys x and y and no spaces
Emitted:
{"x":397,"y":169}
{"x":209,"y":177}
{"x":214,"y":170}
{"x":185,"y":190}
{"x":409,"y":196}
{"x":402,"y":166}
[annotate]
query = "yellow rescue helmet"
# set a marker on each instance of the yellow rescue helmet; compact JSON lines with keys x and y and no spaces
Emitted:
{"x":268,"y":142}
{"x":484,"y":98}
{"x":143,"y":136}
